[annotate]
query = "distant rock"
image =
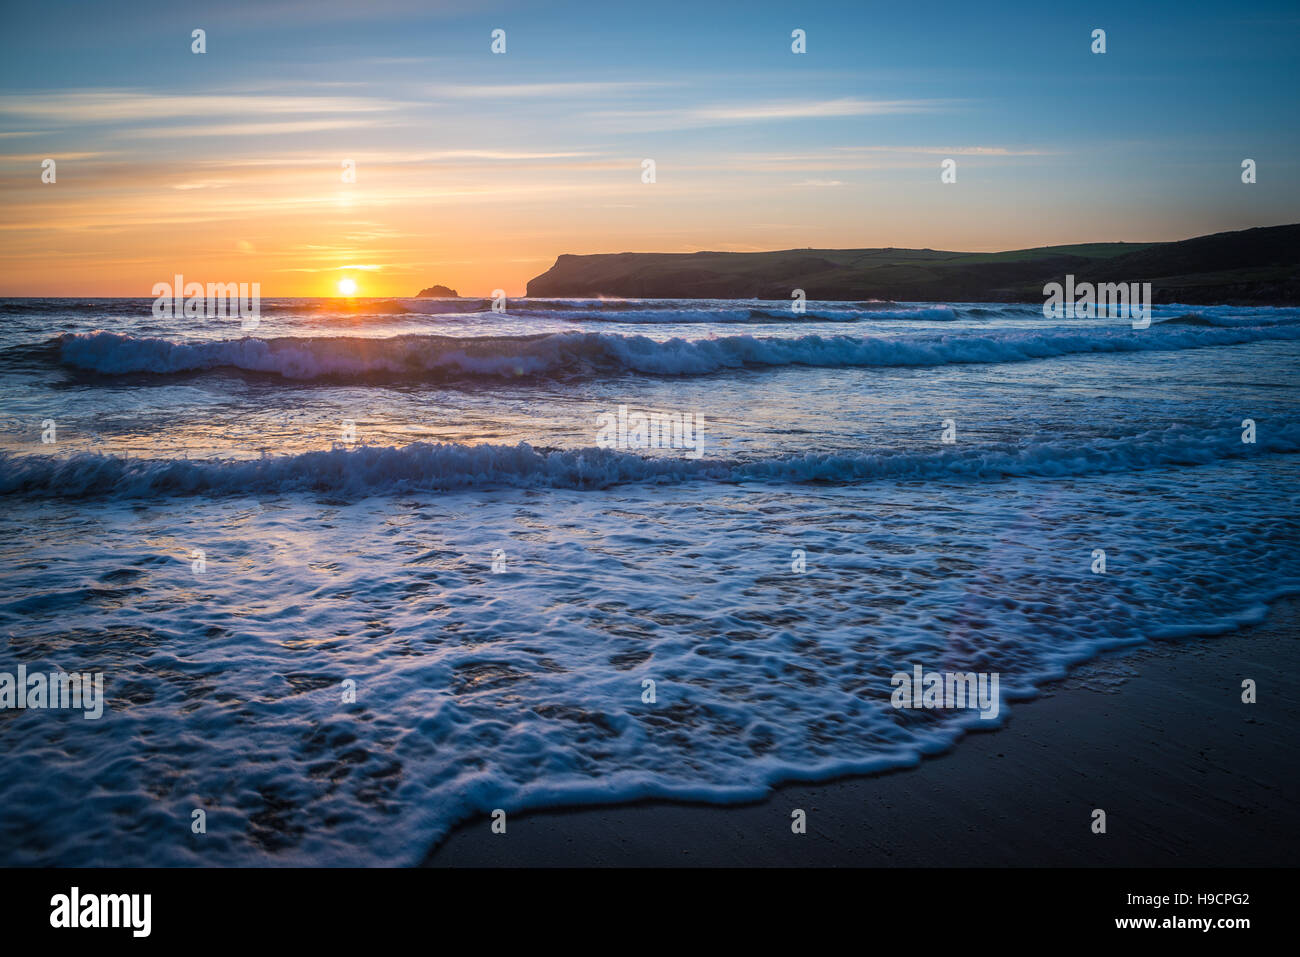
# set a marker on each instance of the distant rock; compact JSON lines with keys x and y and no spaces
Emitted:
{"x":438,"y":292}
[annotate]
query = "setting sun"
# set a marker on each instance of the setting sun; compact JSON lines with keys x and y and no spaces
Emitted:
{"x":347,"y":287}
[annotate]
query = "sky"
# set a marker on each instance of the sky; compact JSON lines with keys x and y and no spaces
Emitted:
{"x":475,"y":169}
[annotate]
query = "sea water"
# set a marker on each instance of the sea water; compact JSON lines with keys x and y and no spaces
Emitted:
{"x":363,"y":572}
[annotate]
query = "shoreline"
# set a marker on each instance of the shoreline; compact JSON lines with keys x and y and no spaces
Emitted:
{"x":1156,"y":736}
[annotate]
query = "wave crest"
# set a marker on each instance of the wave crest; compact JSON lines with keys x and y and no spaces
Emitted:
{"x":565,"y":354}
{"x":428,"y":466}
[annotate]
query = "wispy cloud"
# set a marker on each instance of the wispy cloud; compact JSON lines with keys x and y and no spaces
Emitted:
{"x":945,"y":150}
{"x":839,"y":158}
{"x":111,"y":106}
{"x":56,"y":155}
{"x":812,"y":109}
{"x":556,"y":90}
{"x":776,"y":111}
{"x":359,"y":267}
{"x":204,"y":184}
{"x":256,"y":129}
{"x":399,"y":157}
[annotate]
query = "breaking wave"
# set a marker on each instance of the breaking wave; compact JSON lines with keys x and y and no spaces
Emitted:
{"x":443,"y":467}
{"x":568,"y":354}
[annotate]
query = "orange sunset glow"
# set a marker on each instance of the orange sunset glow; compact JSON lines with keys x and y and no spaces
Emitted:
{"x":417,"y":156}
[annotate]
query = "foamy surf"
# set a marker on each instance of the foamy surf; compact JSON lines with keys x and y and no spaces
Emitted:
{"x":560,"y":355}
{"x":443,"y":467}
{"x":499,"y":590}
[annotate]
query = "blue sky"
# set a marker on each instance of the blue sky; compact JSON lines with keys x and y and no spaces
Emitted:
{"x":479,"y":169}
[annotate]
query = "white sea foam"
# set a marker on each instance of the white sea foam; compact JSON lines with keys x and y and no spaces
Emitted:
{"x":574,"y":353}
{"x":428,"y":466}
{"x":519,"y":684}
{"x":477,"y":690}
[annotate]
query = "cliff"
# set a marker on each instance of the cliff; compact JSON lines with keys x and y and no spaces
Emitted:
{"x":1252,"y":266}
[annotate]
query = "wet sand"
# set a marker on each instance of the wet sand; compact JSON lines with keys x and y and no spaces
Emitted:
{"x":1157,"y":737}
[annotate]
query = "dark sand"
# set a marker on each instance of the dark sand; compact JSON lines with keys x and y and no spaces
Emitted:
{"x":1157,"y":737}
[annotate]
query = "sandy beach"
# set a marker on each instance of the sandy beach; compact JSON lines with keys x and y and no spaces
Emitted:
{"x":1156,"y":736}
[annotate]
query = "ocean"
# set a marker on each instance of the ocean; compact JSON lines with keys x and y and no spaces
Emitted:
{"x":370,"y":569}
